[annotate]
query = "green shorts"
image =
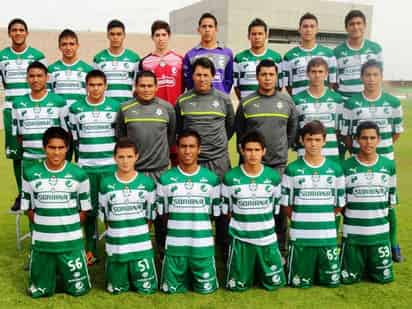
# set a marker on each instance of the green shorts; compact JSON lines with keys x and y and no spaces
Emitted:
{"x":139,"y":274}
{"x":95,"y":177}
{"x":178,"y":272}
{"x":375,"y":261}
{"x":309,"y":265}
{"x":70,"y":266}
{"x":244,"y":259}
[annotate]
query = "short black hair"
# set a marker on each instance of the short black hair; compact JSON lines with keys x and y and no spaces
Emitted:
{"x":96,"y":73}
{"x":372,"y":63}
{"x":55,"y":132}
{"x":37,"y":65}
{"x":266,"y":63}
{"x":68,"y":33}
{"x":207,"y":15}
{"x":315,"y":62}
{"x":160,"y":24}
{"x":115,"y":23}
{"x":145,"y":73}
{"x":353,"y":14}
{"x":187,"y":133}
{"x":257,"y":22}
{"x":313,"y":127}
{"x":307,"y":16}
{"x":17,"y":21}
{"x":365,"y":125}
{"x":125,"y":142}
{"x":206,"y":63}
{"x":253,"y":137}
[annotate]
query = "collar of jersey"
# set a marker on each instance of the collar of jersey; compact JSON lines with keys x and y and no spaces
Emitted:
{"x":366,"y":164}
{"x":314,"y":166}
{"x":187,"y":174}
{"x":54,"y":171}
{"x":126,"y":182}
{"x":252,"y":176}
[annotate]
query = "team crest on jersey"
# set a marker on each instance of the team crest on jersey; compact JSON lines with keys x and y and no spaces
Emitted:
{"x":126,"y":193}
{"x":159,"y":112}
{"x":369,"y":176}
{"x":95,"y":114}
{"x":253,"y":186}
{"x":373,"y":109}
{"x":215,"y":104}
{"x":279,"y":104}
{"x":315,"y":179}
{"x":37,"y":111}
{"x":188,"y":184}
{"x":53,"y":182}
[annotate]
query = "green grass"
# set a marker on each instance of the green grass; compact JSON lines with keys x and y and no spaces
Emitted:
{"x":13,"y":280}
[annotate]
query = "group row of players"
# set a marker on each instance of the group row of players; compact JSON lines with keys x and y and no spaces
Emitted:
{"x":152,"y":123}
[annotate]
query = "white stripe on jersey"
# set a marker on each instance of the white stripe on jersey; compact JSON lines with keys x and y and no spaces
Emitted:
{"x":58,"y":220}
{"x":365,"y":230}
{"x":189,"y":241}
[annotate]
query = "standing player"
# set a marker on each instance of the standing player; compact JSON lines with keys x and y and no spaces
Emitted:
{"x":118,"y":63}
{"x":56,"y":197}
{"x":188,"y":195}
{"x":92,"y":120}
{"x":68,"y":75}
{"x":168,"y":68}
{"x":245,"y":62}
{"x":14,"y":61}
{"x":375,"y":105}
{"x":251,"y":193}
{"x":296,"y":59}
{"x":150,"y":123}
{"x":127,"y":200}
{"x":320,"y":103}
{"x":353,"y":53}
{"x":371,"y":194}
{"x":209,"y":47}
{"x":313,"y":190}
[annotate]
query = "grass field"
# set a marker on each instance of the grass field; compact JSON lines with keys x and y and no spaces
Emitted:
{"x":13,"y":280}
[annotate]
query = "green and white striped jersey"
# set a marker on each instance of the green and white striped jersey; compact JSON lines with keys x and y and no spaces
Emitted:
{"x":328,"y":110}
{"x":69,"y":80}
{"x":189,"y":200}
{"x":13,"y":71}
{"x":295,"y":63}
{"x":244,"y":70}
{"x":251,"y":201}
{"x":31,"y":118}
{"x":385,"y":111}
{"x":127,"y":207}
{"x":313,"y":192}
{"x":349,"y":64}
{"x":120,"y":71}
{"x":93,"y":127}
{"x":56,"y":196}
{"x":370,"y":192}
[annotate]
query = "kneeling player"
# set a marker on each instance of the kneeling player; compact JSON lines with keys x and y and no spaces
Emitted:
{"x":371,"y":192}
{"x":189,"y":194}
{"x":313,"y":190}
{"x":126,"y":199}
{"x":53,"y":193}
{"x":251,"y":194}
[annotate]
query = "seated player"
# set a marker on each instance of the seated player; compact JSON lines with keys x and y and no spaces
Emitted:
{"x":56,"y":196}
{"x":371,"y":192}
{"x":313,"y":191}
{"x":127,"y":199}
{"x":251,"y":194}
{"x":188,"y":195}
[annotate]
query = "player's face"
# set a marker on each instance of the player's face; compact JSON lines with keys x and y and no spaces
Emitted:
{"x":116,"y":37}
{"x":207,"y":30}
{"x":161,"y":39}
{"x":68,"y":47}
{"x":56,"y":151}
{"x":257,"y":37}
{"x":202,"y":79}
{"x":253,"y":153}
{"x":37,"y":79}
{"x":368,"y":141}
{"x":188,"y":151}
{"x":317,"y":75}
{"x":356,"y":28}
{"x":18,"y":34}
{"x":313,"y":144}
{"x":308,"y":30}
{"x":267,"y":78}
{"x":126,"y":159}
{"x":372,"y":79}
{"x":96,"y":88}
{"x":146,"y":88}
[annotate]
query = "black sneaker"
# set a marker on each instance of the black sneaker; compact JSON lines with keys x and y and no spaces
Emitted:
{"x":16,"y":206}
{"x":397,"y":256}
